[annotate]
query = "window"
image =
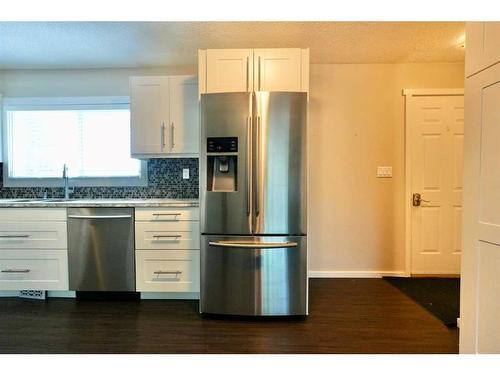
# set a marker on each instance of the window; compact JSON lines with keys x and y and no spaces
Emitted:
{"x":90,"y":135}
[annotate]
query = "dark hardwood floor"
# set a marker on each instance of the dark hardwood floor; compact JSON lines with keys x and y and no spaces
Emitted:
{"x":346,"y":316}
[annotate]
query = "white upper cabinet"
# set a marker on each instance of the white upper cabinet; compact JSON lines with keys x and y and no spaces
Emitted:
{"x":240,"y":70}
{"x":278,"y":69}
{"x":229,"y":70}
{"x":184,"y":128}
{"x":483,"y":46}
{"x":164,"y":116}
{"x":149,"y":114}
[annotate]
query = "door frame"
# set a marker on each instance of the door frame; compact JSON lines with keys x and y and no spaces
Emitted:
{"x":409,"y":95}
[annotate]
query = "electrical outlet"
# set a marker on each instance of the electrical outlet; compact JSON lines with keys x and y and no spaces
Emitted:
{"x":384,"y":172}
{"x":185,"y":173}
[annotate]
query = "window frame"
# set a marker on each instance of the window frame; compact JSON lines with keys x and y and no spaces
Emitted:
{"x":47,"y":103}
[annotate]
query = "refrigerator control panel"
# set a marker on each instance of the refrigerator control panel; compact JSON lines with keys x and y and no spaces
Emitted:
{"x":222,"y":144}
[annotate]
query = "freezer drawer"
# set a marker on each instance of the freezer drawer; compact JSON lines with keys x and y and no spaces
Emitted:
{"x":259,"y":276}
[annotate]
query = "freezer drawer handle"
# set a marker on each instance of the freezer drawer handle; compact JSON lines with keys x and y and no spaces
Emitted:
{"x":99,"y":216}
{"x":254,"y":245}
{"x":14,"y":236}
{"x":167,"y":214}
{"x":16,"y":271}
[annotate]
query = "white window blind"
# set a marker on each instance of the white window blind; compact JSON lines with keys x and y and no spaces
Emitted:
{"x":93,"y":140}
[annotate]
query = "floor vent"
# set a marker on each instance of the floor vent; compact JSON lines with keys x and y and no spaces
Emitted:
{"x":33,"y":294}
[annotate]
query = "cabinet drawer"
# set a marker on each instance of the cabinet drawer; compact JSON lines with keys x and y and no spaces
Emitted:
{"x":33,"y":235}
{"x":32,"y":214}
{"x":34,"y":270}
{"x":160,"y":235}
{"x":167,"y":214}
{"x":167,"y":271}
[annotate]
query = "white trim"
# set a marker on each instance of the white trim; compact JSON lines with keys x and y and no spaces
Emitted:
{"x":433,"y":92}
{"x":354,"y":274}
{"x":84,"y":101}
{"x":9,"y":293}
{"x":170,"y":295}
{"x":409,"y":94}
{"x":139,"y":181}
{"x":61,"y":294}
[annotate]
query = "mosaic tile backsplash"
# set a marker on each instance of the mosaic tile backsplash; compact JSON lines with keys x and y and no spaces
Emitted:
{"x":164,"y":181}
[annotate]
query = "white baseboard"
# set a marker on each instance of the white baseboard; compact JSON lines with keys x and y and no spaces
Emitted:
{"x":169,"y":295}
{"x":50,"y":293}
{"x":9,"y":293}
{"x":61,"y":294}
{"x":354,"y":274}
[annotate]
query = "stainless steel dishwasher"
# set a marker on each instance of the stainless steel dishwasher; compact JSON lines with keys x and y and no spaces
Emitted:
{"x":101,"y":249}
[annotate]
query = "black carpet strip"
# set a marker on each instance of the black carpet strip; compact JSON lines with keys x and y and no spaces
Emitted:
{"x":440,"y":296}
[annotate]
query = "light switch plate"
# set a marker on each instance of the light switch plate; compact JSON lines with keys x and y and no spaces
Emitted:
{"x":185,"y":173}
{"x":384,"y":172}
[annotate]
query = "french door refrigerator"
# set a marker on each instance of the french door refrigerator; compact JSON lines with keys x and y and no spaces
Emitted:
{"x":253,"y":204}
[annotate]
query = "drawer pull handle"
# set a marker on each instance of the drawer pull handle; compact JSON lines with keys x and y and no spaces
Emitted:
{"x":167,"y":214}
{"x":167,"y":272}
{"x":156,"y":236}
{"x":14,"y":235}
{"x":16,"y":271}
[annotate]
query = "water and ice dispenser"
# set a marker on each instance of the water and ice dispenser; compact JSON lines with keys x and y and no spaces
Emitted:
{"x":222,"y":164}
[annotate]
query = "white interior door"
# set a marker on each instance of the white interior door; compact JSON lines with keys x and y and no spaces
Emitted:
{"x":480,"y":287}
{"x":435,"y":126}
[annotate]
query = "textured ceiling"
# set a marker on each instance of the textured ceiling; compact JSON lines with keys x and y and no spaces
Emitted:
{"x":147,"y":44}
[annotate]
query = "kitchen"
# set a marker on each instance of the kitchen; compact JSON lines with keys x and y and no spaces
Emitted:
{"x":212,"y":210}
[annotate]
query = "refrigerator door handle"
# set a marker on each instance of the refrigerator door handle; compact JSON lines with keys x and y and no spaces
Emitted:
{"x":257,"y":167}
{"x":249,"y":164}
{"x":253,"y":245}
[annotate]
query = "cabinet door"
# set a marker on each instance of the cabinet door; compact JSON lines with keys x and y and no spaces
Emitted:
{"x":278,"y":69}
{"x":184,"y":128}
{"x":229,"y":70}
{"x":483,"y":46}
{"x":149,"y":115}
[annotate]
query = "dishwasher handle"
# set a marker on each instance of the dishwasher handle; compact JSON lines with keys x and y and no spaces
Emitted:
{"x":99,"y":216}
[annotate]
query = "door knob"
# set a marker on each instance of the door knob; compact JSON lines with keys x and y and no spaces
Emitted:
{"x":417,"y":199}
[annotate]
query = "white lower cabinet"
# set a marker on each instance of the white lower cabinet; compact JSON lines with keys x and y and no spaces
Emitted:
{"x":33,"y":235}
{"x":167,"y":242}
{"x":182,"y":235}
{"x":33,"y":249}
{"x":168,"y":270}
{"x":33,"y":270}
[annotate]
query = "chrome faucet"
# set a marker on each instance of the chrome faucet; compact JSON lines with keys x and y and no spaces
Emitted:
{"x":67,"y":189}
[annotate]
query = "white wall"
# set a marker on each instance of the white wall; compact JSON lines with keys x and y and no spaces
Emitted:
{"x":77,"y":82}
{"x":356,"y":123}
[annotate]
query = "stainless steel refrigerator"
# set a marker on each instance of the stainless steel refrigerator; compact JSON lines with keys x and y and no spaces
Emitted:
{"x":253,"y":203}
